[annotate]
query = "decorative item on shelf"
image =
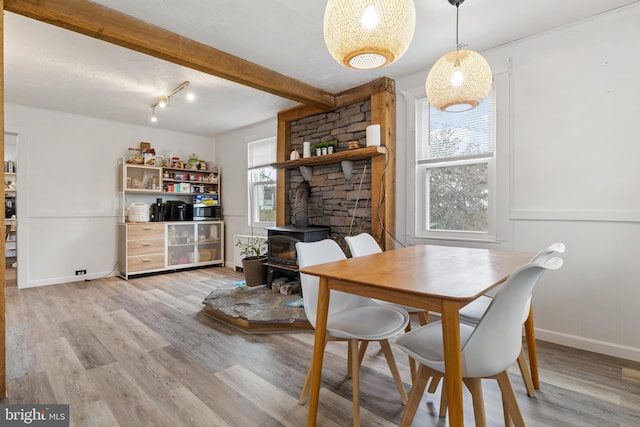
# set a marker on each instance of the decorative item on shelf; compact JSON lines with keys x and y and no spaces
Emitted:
{"x":353,"y":145}
{"x":135,"y":156}
{"x":306,"y":149}
{"x":294,"y":155}
{"x":175,"y":162}
{"x":149,"y":156}
{"x":459,"y":80}
{"x":323,"y":148}
{"x":193,"y":162}
{"x":373,"y":135}
{"x":367,"y":34}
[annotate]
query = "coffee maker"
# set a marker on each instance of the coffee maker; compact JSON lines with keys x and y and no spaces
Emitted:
{"x":157,"y":211}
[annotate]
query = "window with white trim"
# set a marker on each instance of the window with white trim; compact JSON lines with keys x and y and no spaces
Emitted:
{"x":262,"y":182}
{"x":455,"y":171}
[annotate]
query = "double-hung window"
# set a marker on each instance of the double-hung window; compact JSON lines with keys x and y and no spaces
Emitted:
{"x":262,"y":182}
{"x":455,"y":171}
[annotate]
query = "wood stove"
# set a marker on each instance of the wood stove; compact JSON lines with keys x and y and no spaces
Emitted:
{"x":281,"y":242}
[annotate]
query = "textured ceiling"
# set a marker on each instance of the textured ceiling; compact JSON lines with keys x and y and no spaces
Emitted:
{"x":52,"y":68}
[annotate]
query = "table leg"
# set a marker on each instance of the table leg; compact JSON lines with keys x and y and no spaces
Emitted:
{"x":452,"y":362}
{"x":318,"y":349}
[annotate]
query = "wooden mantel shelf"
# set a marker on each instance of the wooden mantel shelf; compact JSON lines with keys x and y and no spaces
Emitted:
{"x":328,"y":159}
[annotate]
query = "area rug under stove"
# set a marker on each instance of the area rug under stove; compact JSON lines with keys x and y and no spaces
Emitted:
{"x":256,"y":309}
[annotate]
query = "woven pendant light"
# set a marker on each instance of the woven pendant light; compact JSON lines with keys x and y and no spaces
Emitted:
{"x":459,"y":80}
{"x":367,"y":34}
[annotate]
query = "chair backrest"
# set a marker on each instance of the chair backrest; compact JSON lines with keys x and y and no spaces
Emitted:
{"x":542,"y":256}
{"x":312,"y":253}
{"x":496,"y":341}
{"x":546,"y":253}
{"x":362,"y":244}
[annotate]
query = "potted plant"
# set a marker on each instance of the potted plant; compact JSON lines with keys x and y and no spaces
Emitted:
{"x":331,"y":147}
{"x":253,"y":252}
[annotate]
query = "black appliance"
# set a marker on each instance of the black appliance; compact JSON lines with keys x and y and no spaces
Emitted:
{"x":157,"y":211}
{"x":176,"y":210}
{"x":203,"y":212}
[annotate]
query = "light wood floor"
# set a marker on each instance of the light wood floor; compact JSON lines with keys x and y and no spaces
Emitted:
{"x":142,"y":353}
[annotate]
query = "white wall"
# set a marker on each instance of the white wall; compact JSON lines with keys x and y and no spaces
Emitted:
{"x":231,"y":149}
{"x":573,"y":175}
{"x":68,"y":196}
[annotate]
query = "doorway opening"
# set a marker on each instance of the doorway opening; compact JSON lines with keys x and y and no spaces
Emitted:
{"x":10,"y":210}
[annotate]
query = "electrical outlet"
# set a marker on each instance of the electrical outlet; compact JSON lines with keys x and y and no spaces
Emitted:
{"x":80,"y":272}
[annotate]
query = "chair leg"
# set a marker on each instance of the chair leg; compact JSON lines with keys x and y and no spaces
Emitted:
{"x":526,"y":376}
{"x":362,"y":350}
{"x":412,"y":362}
{"x":304,"y":394}
{"x":422,"y":319}
{"x":306,"y":386}
{"x":433,"y":385}
{"x":391,"y":361}
{"x":505,"y":413}
{"x":475,"y":387}
{"x":443,"y":400}
{"x":349,"y":358}
{"x":530,"y":332}
{"x":355,"y":382}
{"x":417,"y":390}
{"x":509,"y":399}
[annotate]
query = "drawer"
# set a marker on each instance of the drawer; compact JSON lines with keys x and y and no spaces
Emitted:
{"x":145,"y":247}
{"x":145,"y":231}
{"x":144,"y":263}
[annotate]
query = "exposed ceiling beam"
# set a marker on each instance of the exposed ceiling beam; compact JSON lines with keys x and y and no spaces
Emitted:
{"x":107,"y":24}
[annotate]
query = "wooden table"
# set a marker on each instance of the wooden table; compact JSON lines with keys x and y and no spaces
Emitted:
{"x":437,"y":278}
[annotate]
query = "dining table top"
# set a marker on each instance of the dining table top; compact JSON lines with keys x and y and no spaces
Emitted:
{"x":445,"y":272}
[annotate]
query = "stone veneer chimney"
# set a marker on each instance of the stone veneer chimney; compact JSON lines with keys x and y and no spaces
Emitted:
{"x":332,"y":200}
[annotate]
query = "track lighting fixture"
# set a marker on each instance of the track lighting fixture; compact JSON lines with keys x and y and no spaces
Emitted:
{"x":163,"y":101}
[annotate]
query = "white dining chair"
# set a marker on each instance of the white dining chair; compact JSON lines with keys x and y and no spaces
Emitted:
{"x":364,"y":244}
{"x":350,"y":318}
{"x":473,"y":312}
{"x":487,"y":350}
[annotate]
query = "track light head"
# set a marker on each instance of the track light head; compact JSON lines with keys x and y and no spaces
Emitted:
{"x":163,"y":102}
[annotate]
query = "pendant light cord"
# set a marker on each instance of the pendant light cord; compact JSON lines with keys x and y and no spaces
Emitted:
{"x":457,"y":15}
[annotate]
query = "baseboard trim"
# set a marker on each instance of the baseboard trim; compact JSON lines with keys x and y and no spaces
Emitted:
{"x":595,"y":346}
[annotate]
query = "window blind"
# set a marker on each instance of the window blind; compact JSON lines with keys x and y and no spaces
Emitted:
{"x":451,"y":136}
{"x":262,"y":152}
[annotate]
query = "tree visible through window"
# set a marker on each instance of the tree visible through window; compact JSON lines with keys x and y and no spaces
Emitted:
{"x":455,"y":158}
{"x":262,"y":182}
